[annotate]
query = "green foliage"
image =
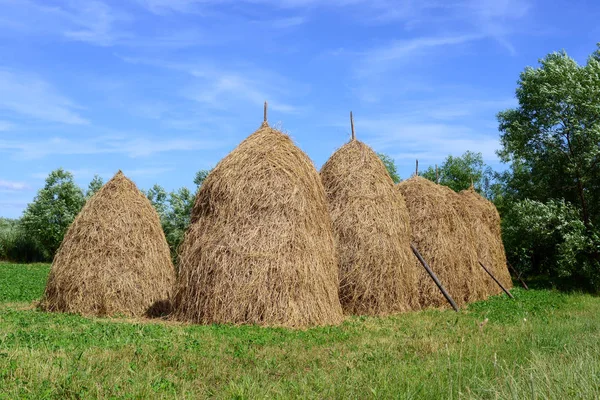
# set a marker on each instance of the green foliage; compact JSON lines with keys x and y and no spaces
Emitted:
{"x":459,"y":172}
{"x":177,"y":218}
{"x":390,"y":166}
{"x":175,"y":209}
{"x":46,"y":220}
{"x":95,"y":185}
{"x":550,"y":239}
{"x":551,"y":142}
{"x":201,"y":176}
{"x":553,"y":134}
{"x":543,"y":344}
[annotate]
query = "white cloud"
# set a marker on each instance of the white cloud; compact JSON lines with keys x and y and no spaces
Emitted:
{"x":13,"y":185}
{"x":220,"y":88}
{"x":131,"y":147}
{"x":5,"y":126}
{"x":31,"y":96}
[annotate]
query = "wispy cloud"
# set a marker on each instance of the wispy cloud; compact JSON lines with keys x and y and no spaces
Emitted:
{"x":403,"y":51}
{"x":13,"y":185}
{"x":128,"y":146}
{"x":31,"y":96}
{"x":220,"y":87}
{"x":5,"y":126}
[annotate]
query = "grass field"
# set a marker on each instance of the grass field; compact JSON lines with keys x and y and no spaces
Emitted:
{"x":542,"y":345}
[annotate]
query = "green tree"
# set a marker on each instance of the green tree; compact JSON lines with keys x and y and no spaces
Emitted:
{"x":158,"y":198}
{"x":550,"y":195}
{"x":47,"y":218}
{"x":390,"y":166}
{"x":553,"y":134}
{"x":458,"y":173}
{"x":177,"y":218}
{"x":95,"y":185}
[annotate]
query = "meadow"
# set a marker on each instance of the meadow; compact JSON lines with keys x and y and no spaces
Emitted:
{"x":543,"y":344}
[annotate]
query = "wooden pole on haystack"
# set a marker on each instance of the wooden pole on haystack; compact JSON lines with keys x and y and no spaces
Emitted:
{"x":417,"y":168}
{"x":434,"y":277}
{"x":496,"y":280}
{"x":352,"y":125}
{"x":265,"y":113}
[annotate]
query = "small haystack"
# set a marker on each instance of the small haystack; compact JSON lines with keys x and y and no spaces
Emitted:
{"x":485,"y":222}
{"x":378,"y":275}
{"x":260,"y":247}
{"x":114,"y":258}
{"x":445,"y":240}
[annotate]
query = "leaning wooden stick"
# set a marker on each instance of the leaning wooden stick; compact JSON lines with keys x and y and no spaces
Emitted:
{"x":434,"y":277}
{"x":518,"y":275}
{"x":496,"y":280}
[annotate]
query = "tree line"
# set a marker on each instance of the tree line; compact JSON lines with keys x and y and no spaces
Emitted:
{"x":548,"y":195}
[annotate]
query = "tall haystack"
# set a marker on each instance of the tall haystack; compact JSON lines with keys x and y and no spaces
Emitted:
{"x":372,"y":232}
{"x":485,"y":222}
{"x":260,"y":247}
{"x":114,"y":258}
{"x":445,"y":240}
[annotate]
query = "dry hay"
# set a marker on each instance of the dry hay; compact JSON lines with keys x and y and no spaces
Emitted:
{"x":372,"y":232}
{"x":114,"y":258}
{"x":485,"y":222}
{"x":445,"y":240}
{"x":260,"y":247}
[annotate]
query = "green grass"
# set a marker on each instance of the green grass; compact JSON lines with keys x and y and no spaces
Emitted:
{"x":542,"y":345}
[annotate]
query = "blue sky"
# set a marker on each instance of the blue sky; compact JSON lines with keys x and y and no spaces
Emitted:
{"x":163,"y":88}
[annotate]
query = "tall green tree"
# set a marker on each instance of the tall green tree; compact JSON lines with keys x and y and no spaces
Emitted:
{"x":55,"y":206}
{"x":390,"y":166}
{"x":553,"y":135}
{"x":551,"y":191}
{"x":458,"y":173}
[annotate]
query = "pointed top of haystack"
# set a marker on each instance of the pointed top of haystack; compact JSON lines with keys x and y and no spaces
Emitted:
{"x":260,"y":249}
{"x":371,"y":223}
{"x":114,"y":258}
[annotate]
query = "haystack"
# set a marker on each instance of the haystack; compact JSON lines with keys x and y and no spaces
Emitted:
{"x":114,"y":258}
{"x":445,"y":240}
{"x":485,"y":222}
{"x":372,"y":232}
{"x":260,"y":247}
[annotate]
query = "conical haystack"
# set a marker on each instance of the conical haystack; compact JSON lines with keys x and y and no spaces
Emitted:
{"x":372,"y":231}
{"x":445,"y":240}
{"x":114,"y":258}
{"x":260,"y":247}
{"x":485,"y":222}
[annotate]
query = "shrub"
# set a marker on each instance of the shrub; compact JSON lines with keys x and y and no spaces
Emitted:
{"x":550,"y":239}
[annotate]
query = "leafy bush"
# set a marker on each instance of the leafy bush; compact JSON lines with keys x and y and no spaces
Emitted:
{"x":550,"y":239}
{"x":16,"y":246}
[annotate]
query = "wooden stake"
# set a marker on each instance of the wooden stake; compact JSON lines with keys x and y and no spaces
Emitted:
{"x":352,"y":125}
{"x":518,"y":275}
{"x":496,"y":280}
{"x":265,"y":113}
{"x":434,"y":277}
{"x":417,"y":168}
